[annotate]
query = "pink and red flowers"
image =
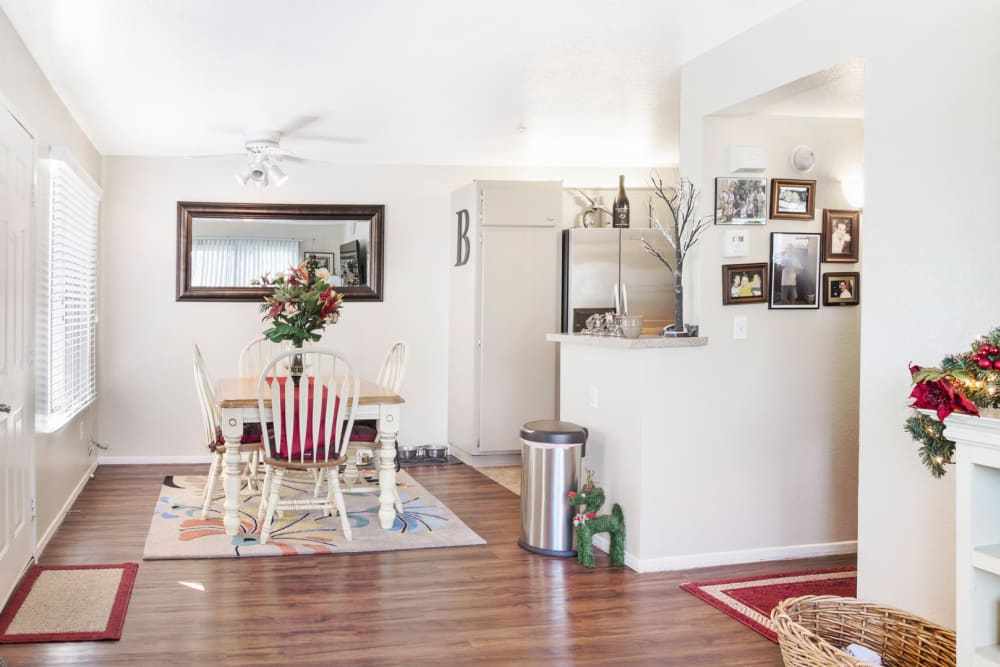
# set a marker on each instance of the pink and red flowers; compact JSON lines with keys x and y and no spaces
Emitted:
{"x":302,"y":304}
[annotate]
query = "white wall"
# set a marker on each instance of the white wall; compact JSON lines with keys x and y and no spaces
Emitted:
{"x":62,"y":458}
{"x":931,"y":137}
{"x":146,"y":335}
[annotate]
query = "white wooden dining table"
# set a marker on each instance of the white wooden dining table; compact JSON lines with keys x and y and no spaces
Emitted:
{"x":238,"y":401}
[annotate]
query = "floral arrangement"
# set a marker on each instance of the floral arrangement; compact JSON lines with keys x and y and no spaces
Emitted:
{"x":302,"y":304}
{"x":963,"y":383}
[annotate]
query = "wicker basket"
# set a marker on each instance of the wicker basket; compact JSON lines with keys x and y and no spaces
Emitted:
{"x":812,"y":631}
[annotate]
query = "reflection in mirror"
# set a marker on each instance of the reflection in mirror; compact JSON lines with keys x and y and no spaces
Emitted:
{"x":223,"y":248}
{"x":228,"y":252}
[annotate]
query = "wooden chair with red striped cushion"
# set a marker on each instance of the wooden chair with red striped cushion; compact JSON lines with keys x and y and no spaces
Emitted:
{"x":311,"y":420}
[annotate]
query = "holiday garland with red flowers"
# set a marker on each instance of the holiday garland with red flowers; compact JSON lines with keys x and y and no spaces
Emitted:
{"x":963,"y":383}
{"x":302,"y":304}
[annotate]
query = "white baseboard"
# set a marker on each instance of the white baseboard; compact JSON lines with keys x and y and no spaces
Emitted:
{"x":46,"y":537}
{"x":711,"y":559}
{"x":137,"y":460}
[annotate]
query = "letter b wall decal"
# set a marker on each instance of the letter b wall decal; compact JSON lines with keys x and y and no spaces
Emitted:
{"x":463,"y":249}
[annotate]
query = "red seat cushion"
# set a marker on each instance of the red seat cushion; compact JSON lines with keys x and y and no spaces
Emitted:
{"x":250,"y":435}
{"x":310,"y":443}
{"x":364,"y":433}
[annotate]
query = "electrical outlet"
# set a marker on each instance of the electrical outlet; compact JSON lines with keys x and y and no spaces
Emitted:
{"x":740,"y":327}
{"x":593,"y":395}
{"x":81,"y":429}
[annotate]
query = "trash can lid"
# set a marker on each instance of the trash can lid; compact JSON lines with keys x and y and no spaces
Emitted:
{"x":554,"y":432}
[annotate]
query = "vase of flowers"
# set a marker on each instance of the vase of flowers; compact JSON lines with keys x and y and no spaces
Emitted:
{"x":302,"y":304}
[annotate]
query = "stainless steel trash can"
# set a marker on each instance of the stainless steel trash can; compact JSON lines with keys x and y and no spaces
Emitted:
{"x":550,"y":469}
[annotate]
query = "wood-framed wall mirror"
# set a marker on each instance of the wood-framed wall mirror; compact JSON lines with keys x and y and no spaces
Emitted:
{"x":222,"y":247}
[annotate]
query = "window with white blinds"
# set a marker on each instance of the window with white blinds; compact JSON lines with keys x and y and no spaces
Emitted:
{"x":67,"y":363}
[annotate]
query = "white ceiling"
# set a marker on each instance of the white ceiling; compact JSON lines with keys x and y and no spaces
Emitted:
{"x":838,"y":92}
{"x":542,"y":82}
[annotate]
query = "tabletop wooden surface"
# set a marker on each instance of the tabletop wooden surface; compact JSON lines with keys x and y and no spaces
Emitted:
{"x":242,"y":393}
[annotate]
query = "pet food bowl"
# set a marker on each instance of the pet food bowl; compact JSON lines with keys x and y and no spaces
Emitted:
{"x":435,"y":452}
{"x":410,"y":453}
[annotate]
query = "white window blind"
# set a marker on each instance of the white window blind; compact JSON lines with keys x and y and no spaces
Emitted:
{"x":68,"y":358}
{"x":235,"y":262}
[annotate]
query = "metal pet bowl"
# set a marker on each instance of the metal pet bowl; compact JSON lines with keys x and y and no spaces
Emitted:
{"x":410,"y":453}
{"x":435,"y":451}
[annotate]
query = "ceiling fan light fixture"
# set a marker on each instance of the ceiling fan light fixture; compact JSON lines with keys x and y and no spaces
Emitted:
{"x":276,"y":174}
{"x":243,"y":175}
{"x":258,"y":173}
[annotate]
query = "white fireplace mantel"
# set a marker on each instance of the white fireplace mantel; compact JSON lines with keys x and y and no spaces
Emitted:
{"x":977,"y":506}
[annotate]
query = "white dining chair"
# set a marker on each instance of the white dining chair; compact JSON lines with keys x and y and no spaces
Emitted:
{"x":311,"y":421}
{"x":257,"y":353}
{"x":212,"y":421}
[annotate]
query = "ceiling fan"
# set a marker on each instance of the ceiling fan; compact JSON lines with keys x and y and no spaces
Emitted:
{"x":263,"y":152}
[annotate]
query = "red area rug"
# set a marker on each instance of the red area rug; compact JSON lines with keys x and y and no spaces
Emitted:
{"x":750,"y":599}
{"x":69,"y":604}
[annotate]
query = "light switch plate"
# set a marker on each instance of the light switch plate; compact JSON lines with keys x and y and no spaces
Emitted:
{"x":736,"y":243}
{"x":740,"y":327}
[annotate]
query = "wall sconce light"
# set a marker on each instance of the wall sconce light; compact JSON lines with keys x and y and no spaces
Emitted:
{"x":853,"y":188}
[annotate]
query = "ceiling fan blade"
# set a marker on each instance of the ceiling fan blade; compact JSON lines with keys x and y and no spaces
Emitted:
{"x":297,"y":124}
{"x":327,"y":139}
{"x":225,"y":156}
{"x":295,"y":159}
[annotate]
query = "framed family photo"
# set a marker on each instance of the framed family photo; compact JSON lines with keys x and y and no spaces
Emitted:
{"x":792,"y":199}
{"x":794,"y":271}
{"x":744,"y":283}
{"x":740,"y":201}
{"x":841,"y":289}
{"x":324,"y":260}
{"x":841,"y":235}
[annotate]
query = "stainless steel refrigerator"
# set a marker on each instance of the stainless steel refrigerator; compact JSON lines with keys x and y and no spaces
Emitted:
{"x":597,"y":261}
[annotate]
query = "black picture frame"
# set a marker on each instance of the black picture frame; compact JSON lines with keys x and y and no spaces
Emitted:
{"x":747,"y":277}
{"x":740,"y":201}
{"x":834,"y":286}
{"x":795,"y":256}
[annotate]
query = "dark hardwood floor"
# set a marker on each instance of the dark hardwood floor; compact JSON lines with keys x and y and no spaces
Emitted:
{"x":490,"y":604}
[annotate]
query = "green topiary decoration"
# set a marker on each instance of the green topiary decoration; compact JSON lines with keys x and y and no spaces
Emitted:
{"x":587,"y":502}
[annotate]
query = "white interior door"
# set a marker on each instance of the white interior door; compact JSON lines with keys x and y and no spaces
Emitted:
{"x":16,"y":179}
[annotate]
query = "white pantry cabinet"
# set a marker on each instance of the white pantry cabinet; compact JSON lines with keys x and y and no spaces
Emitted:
{"x":505,"y":291}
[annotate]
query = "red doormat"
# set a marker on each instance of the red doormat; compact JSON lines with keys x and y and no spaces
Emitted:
{"x":750,"y":599}
{"x":71,"y":603}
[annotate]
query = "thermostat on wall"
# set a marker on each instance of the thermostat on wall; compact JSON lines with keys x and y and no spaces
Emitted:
{"x":735,"y":243}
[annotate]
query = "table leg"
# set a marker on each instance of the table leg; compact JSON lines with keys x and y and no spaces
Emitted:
{"x":232,"y":429}
{"x":388,"y":497}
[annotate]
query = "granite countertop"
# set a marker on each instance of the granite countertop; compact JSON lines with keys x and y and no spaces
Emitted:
{"x":622,"y":343}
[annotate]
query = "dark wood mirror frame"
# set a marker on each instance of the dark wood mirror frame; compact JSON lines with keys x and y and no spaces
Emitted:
{"x":187,"y":211}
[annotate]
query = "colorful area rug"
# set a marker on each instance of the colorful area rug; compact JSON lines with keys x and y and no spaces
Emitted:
{"x":68,"y":604}
{"x":750,"y":599}
{"x":178,"y":531}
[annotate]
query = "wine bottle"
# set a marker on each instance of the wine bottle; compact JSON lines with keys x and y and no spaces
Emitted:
{"x":619,"y":210}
